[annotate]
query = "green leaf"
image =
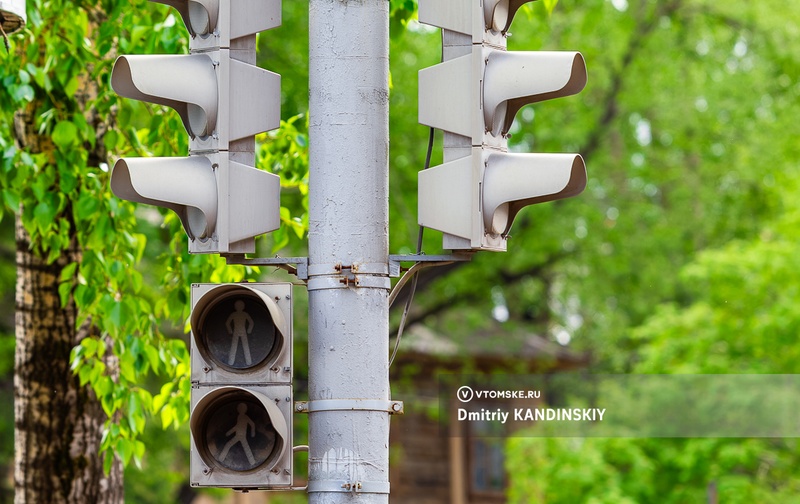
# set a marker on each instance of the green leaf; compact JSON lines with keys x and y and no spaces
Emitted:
{"x":125,"y":449}
{"x":549,"y":5}
{"x":89,"y":346}
{"x":167,"y":416}
{"x":68,"y":271}
{"x":24,"y":93}
{"x":65,"y":134}
{"x":68,"y":179}
{"x":108,"y":461}
{"x":11,"y":199}
{"x":84,"y":373}
{"x":135,"y":413}
{"x":72,"y":86}
{"x":116,"y":314}
{"x":64,"y":291}
{"x":45,"y":215}
{"x":110,"y":140}
{"x":152,"y":356}
{"x":138,"y":453}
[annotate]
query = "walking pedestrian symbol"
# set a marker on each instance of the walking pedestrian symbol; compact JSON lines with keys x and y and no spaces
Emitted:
{"x":240,"y":435}
{"x":239,"y":432}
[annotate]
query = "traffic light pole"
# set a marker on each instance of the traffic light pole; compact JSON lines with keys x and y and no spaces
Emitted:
{"x":348,"y":251}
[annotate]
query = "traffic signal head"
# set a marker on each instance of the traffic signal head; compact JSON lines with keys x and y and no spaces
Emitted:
{"x":498,"y":14}
{"x":219,"y":23}
{"x":480,"y":93}
{"x":241,"y":438}
{"x":473,"y":96}
{"x":222,"y":204}
{"x":241,"y":418}
{"x":483,"y":21}
{"x":514,"y":181}
{"x":199,"y":16}
{"x":474,"y":200}
{"x":512,"y":79}
{"x":219,"y":99}
{"x":223,"y":100}
{"x":163,"y":182}
{"x":12,"y":15}
{"x":186,"y":83}
{"x":241,"y":330}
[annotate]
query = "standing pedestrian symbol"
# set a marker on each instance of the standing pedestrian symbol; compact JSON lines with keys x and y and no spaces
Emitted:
{"x":239,"y":325}
{"x":239,"y":433}
{"x":237,"y":333}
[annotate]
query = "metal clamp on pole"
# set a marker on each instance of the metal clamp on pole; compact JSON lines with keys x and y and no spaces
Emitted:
{"x":354,"y":268}
{"x":375,"y":487}
{"x":391,"y":407}
{"x":345,"y":276}
{"x":348,"y":281}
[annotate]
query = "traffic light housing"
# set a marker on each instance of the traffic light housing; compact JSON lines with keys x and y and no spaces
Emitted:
{"x":12,"y":15}
{"x":223,"y":100}
{"x":241,"y":369}
{"x":473,"y":96}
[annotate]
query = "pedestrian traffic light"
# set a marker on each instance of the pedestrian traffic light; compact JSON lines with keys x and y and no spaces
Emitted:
{"x":473,"y":96}
{"x":241,"y":369}
{"x":223,"y":100}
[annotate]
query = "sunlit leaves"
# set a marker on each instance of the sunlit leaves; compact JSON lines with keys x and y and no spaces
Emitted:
{"x":550,"y":5}
{"x":683,"y":263}
{"x":401,"y":12}
{"x":55,"y":82}
{"x":284,"y":152}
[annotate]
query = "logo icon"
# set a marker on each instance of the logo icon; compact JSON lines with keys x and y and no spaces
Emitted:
{"x":465,"y":394}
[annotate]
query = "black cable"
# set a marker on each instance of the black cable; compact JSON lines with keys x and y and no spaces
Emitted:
{"x":415,"y":273}
{"x":414,"y":279}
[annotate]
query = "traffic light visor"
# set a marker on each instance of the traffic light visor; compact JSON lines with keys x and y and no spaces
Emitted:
{"x":186,"y":185}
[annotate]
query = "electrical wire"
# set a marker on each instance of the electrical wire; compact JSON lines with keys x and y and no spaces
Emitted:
{"x":412,"y":273}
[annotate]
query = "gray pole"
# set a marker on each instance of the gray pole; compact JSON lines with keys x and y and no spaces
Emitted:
{"x":348,"y":325}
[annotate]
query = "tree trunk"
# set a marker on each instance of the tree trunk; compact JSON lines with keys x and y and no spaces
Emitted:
{"x":59,"y":424}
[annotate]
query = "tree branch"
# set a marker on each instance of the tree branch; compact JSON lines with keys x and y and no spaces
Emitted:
{"x":610,"y":109}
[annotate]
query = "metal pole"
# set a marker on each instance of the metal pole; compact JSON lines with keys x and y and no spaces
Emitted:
{"x":348,"y":251}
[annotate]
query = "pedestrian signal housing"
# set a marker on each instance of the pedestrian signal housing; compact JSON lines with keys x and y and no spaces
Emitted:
{"x":241,"y":417}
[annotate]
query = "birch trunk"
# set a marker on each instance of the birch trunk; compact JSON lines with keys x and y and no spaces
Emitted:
{"x":59,"y":424}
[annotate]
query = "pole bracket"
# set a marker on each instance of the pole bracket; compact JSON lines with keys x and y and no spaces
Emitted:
{"x":374,"y":487}
{"x":391,"y":407}
{"x":396,"y":259}
{"x":300,"y":267}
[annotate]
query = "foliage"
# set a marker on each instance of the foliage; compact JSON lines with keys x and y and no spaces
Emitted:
{"x":57,"y":77}
{"x":743,"y":318}
{"x":560,"y":470}
{"x":684,"y":251}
